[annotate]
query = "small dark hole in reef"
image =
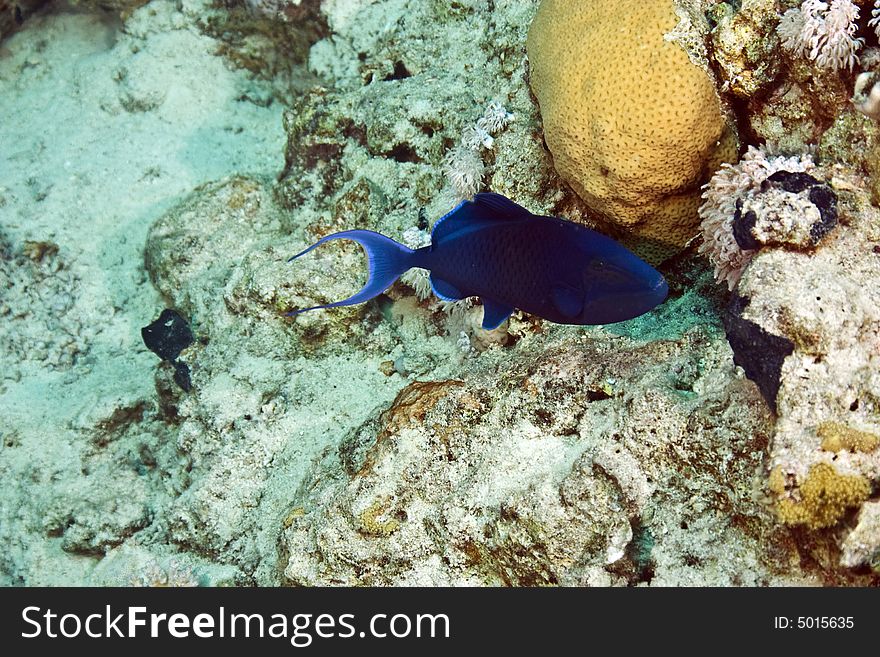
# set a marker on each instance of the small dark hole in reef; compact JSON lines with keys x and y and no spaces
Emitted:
{"x":248,"y":417}
{"x":604,"y":171}
{"x":691,"y":560}
{"x":400,"y":72}
{"x":597,"y":395}
{"x":362,"y":56}
{"x":683,"y":525}
{"x":544,"y":416}
{"x":404,"y":153}
{"x":428,"y":130}
{"x":854,"y":406}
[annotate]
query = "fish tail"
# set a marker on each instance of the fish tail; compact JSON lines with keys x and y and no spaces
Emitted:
{"x":386,"y":261}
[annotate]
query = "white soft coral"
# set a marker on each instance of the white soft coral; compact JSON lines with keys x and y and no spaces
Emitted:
{"x":463,"y":164}
{"x":875,"y":18}
{"x":732,"y":183}
{"x":823,"y":32}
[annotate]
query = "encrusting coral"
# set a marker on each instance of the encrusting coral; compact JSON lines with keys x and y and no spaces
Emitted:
{"x":836,"y":437}
{"x":825,"y":495}
{"x":633,"y":125}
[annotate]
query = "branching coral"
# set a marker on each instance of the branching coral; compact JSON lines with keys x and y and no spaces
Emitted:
{"x":825,"y":497}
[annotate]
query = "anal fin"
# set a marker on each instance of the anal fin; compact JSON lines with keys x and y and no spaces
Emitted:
{"x":494,"y":314}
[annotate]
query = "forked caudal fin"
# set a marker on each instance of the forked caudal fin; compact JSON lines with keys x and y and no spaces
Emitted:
{"x":386,"y":261}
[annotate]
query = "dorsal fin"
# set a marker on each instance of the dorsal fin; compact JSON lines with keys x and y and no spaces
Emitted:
{"x":487,"y":207}
{"x":501,"y":206}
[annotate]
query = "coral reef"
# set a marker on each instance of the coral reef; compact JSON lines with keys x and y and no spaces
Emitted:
{"x":463,"y":164}
{"x":635,"y":141}
{"x":824,"y":497}
{"x":824,"y":452}
{"x":40,"y":326}
{"x":862,"y":545}
{"x":14,"y":12}
{"x":793,"y":209}
{"x":543,"y":470}
{"x":198,"y":147}
{"x":743,"y":46}
{"x":723,"y":198}
{"x":824,"y":32}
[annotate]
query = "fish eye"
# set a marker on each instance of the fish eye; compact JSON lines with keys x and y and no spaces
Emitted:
{"x":597,"y":264}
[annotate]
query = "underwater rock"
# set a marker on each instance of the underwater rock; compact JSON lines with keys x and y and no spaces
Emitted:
{"x":41,"y":325}
{"x":728,"y":241}
{"x":826,"y":304}
{"x":862,"y":545}
{"x":744,"y":45}
{"x":792,"y":209}
{"x":14,"y":12}
{"x":135,"y":565}
{"x":596,"y":460}
{"x":632,"y":123}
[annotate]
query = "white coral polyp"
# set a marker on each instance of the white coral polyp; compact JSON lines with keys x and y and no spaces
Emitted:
{"x":730,"y":184}
{"x":823,"y":32}
{"x":463,"y":165}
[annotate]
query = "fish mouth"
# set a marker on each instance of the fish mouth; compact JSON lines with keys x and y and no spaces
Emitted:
{"x":660,"y":290}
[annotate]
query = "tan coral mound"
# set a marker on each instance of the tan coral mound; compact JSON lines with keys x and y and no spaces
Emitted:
{"x":633,"y":125}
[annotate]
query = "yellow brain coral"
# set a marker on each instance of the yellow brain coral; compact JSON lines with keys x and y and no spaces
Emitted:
{"x":634,"y":127}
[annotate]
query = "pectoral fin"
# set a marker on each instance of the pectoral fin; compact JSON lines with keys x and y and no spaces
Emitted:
{"x":568,"y":300}
{"x":494,"y":314}
{"x":446,"y":291}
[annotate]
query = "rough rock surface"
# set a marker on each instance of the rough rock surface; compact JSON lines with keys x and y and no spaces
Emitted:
{"x":823,"y":304}
{"x":596,"y":460}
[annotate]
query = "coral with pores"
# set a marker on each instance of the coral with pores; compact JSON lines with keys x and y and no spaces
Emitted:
{"x":632,"y":123}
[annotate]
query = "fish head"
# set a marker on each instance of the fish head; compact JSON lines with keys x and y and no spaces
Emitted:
{"x":617,"y":285}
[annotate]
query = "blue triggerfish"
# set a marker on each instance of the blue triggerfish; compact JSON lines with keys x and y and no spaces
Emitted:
{"x":494,"y":249}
